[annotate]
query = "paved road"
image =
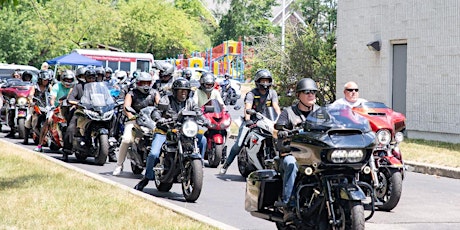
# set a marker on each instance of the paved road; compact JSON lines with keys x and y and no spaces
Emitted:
{"x":428,"y":202}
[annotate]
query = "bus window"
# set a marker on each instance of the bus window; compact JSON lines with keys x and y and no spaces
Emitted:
{"x":143,"y":65}
{"x":113,"y":65}
{"x":126,"y":66}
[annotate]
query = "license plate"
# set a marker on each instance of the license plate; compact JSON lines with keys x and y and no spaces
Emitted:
{"x":22,"y":113}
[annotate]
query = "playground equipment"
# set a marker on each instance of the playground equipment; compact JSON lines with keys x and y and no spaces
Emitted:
{"x":226,"y":58}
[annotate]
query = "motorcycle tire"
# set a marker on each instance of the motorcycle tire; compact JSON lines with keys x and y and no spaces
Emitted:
{"x":22,"y":128}
{"x":54,"y":147}
{"x":215,"y":157}
{"x":354,"y":215}
{"x":103,"y":149}
{"x":136,"y":169}
{"x":163,"y":187}
{"x":244,"y":167}
{"x":391,"y":189}
{"x":193,"y":183}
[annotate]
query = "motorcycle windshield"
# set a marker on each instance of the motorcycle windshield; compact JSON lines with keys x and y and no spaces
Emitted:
{"x":97,"y":94}
{"x":336,"y":117}
{"x":145,"y":118}
{"x":372,"y":105}
{"x":212,"y":105}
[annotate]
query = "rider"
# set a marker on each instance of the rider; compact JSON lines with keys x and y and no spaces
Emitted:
{"x":39,"y":92}
{"x":258,"y":99}
{"x":26,"y":77}
{"x":141,"y":96}
{"x":187,"y":74}
{"x":100,"y":74}
{"x":351,"y":93}
{"x":177,"y":101}
{"x":122,"y":83}
{"x":289,"y":119}
{"x":73,"y":98}
{"x":164,"y":84}
{"x":206,"y":91}
{"x":108,"y":73}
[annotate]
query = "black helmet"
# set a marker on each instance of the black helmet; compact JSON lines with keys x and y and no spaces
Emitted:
{"x":226,"y":75}
{"x":187,"y":74}
{"x":263,"y":74}
{"x":90,"y":74}
{"x":306,"y":84}
{"x":180,"y":83}
{"x":207,"y":79}
{"x":27,"y":76}
{"x":166,"y":68}
{"x":44,"y":75}
{"x":100,"y":72}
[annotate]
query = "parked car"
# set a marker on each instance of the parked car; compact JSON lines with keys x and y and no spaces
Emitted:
{"x":7,"y":70}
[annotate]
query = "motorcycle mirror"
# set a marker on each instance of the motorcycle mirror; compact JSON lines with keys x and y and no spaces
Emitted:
{"x":237,"y":107}
{"x":251,"y":111}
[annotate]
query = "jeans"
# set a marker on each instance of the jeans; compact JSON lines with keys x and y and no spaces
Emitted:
{"x":152,"y":158}
{"x":289,"y":171}
{"x":235,"y":148}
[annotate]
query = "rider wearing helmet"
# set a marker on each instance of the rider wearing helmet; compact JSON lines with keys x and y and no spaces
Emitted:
{"x":141,"y":96}
{"x":27,"y":76}
{"x":289,"y":119}
{"x":259,"y":99}
{"x":39,"y":92}
{"x":164,"y":84}
{"x":169,"y":104}
{"x":187,"y":74}
{"x":100,"y":74}
{"x":108,"y":73}
{"x":206,"y":91}
{"x":80,"y":73}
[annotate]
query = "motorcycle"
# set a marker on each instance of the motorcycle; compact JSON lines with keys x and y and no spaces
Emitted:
{"x":258,"y":144}
{"x":180,"y":158}
{"x":16,"y":104}
{"x":96,"y":110}
{"x":386,"y":164}
{"x":331,"y":146}
{"x":216,"y":134}
{"x":40,"y":109}
{"x":227,"y":93}
{"x":143,"y":133}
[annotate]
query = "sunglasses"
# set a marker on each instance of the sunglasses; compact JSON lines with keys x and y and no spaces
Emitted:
{"x":351,"y":90}
{"x":309,"y":92}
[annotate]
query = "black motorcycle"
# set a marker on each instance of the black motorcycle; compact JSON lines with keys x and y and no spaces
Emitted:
{"x":143,"y":132}
{"x":331,"y":147}
{"x":180,"y":158}
{"x":96,"y":109}
{"x":227,"y":93}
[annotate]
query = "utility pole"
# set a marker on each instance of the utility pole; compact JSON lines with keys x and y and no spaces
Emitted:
{"x":282,"y":25}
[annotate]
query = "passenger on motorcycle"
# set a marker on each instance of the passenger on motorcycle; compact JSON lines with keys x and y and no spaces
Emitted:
{"x":80,"y":74}
{"x":26,"y":77}
{"x":141,"y":96}
{"x":177,"y":101}
{"x":351,"y":93}
{"x":258,"y":99}
{"x":121,"y":78}
{"x":289,"y":119}
{"x":206,"y":91}
{"x":73,"y":99}
{"x":40,"y":92}
{"x":164,"y":84}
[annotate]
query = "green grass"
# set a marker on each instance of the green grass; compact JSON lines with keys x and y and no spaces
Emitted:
{"x":38,"y":194}
{"x":431,"y":152}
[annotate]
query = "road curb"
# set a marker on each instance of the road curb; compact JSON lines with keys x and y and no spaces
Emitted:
{"x":178,"y":209}
{"x":433,"y":169}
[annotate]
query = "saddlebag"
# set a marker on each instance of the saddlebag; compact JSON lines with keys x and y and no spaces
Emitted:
{"x":263,"y":187}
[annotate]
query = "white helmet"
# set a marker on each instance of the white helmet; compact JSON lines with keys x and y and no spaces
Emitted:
{"x":121,"y":76}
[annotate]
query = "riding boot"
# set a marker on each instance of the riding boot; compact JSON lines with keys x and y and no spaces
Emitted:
{"x":141,"y":185}
{"x":26,"y":136}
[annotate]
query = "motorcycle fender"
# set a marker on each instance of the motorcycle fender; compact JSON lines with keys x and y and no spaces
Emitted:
{"x":393,"y":162}
{"x":218,"y":139}
{"x":351,"y":192}
{"x":103,"y":131}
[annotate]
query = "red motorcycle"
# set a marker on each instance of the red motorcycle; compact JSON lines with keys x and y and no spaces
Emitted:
{"x":216,"y":135}
{"x":16,"y":104}
{"x":385,"y":170}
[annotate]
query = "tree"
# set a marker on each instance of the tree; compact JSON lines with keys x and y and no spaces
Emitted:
{"x":246,"y":18}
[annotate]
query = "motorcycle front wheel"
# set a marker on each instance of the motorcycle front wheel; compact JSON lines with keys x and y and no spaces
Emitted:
{"x":21,"y":128}
{"x":193,"y":181}
{"x":103,"y":149}
{"x":390,"y":188}
{"x":215,"y":156}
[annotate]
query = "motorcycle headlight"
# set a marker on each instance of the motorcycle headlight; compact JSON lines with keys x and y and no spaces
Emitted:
{"x":350,"y":156}
{"x":384,"y":137}
{"x":399,"y":137}
{"x":226,"y":123}
{"x":22,"y":101}
{"x":190,"y":128}
{"x":108,"y":115}
{"x":92,"y":114}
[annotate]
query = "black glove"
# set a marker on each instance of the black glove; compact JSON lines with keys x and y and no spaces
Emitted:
{"x":282,"y":134}
{"x":249,"y":123}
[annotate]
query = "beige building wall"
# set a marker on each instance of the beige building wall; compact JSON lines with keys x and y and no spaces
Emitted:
{"x":431,"y":30}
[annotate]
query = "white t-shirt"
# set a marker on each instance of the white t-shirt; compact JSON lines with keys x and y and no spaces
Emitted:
{"x":343,"y":101}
